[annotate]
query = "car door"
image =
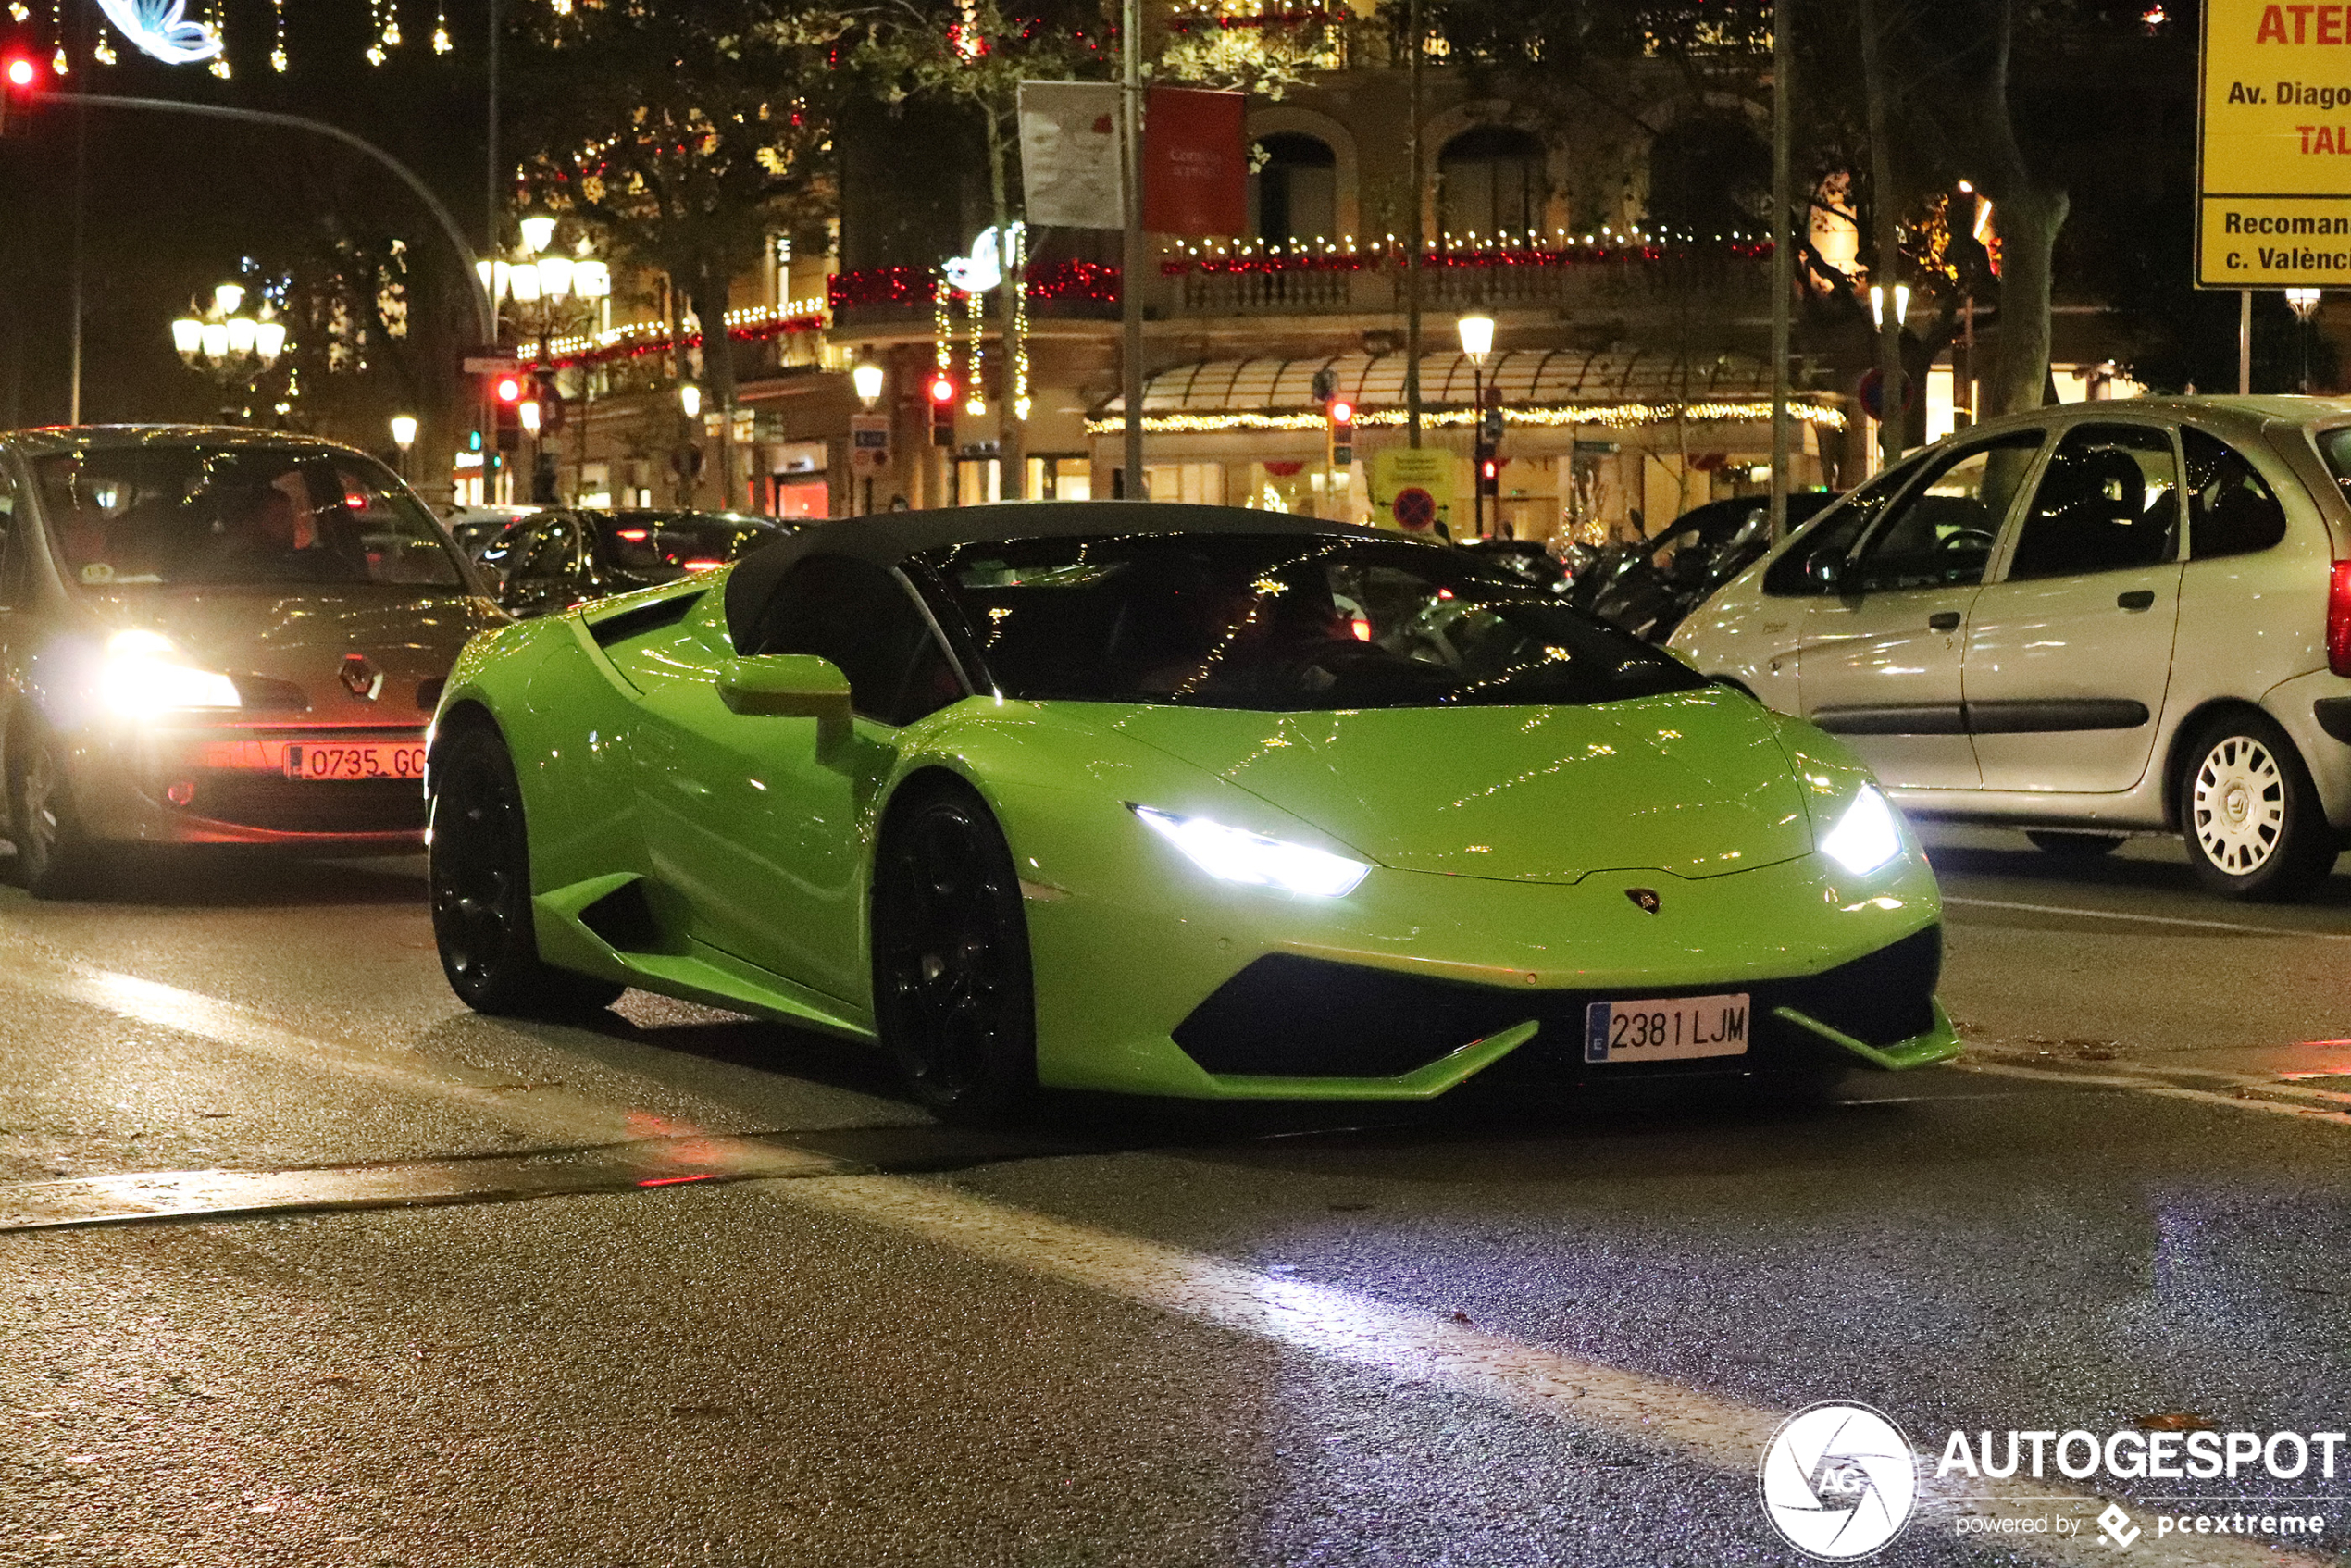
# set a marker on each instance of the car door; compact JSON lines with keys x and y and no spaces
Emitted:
{"x":1879,"y":661}
{"x":747,"y":816}
{"x":2070,"y":653}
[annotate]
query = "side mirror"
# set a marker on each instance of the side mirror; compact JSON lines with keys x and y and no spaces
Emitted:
{"x":789,"y":686}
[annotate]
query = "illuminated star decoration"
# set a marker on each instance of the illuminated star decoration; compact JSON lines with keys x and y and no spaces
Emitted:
{"x":161,"y":28}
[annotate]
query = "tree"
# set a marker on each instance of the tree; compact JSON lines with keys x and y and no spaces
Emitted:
{"x":684,"y":137}
{"x":975,"y":54}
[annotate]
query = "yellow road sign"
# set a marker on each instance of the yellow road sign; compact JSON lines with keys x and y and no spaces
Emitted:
{"x":2273,"y":153}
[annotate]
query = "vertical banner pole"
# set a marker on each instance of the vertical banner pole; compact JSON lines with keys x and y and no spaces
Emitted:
{"x":2244,"y":341}
{"x":1782,"y":261}
{"x":1419,"y":237}
{"x":1130,"y":283}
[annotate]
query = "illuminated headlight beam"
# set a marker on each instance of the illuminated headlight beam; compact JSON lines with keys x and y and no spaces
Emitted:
{"x":1231,"y":854}
{"x":1866,"y":837}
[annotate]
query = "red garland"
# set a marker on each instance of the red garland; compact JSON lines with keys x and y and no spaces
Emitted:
{"x":880,"y":286}
{"x":1364,"y":261}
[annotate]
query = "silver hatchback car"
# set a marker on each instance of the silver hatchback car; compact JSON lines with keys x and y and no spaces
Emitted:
{"x":2087,"y":621}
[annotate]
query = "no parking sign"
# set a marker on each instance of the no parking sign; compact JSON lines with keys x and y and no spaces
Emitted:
{"x":1414,"y":489}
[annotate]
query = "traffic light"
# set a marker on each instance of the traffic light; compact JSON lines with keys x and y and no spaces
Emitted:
{"x":1340,"y":415}
{"x":1489,"y":475}
{"x":21,"y":78}
{"x":942,"y":409}
{"x":505,"y":395}
{"x":1489,"y":451}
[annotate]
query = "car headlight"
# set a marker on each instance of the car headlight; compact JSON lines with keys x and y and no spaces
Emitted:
{"x":1233,"y":855}
{"x":143,"y":676}
{"x":1866,"y":837}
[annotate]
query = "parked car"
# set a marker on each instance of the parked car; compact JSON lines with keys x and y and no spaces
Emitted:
{"x":1526,"y":558}
{"x":2090,"y":621}
{"x":215,"y":636}
{"x":474,"y":527}
{"x":1170,"y":800}
{"x":561,"y":559}
{"x":1648,"y":587}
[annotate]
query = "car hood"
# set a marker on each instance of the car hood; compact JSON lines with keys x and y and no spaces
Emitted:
{"x":1693,"y":783}
{"x":302,"y":639}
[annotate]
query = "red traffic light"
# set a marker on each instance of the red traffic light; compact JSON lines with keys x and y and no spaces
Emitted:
{"x":509,"y":389}
{"x":21,"y":71}
{"x":1342,"y":412}
{"x":942,"y":388}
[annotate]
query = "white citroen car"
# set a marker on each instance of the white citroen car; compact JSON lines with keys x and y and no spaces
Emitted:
{"x":2087,"y":622}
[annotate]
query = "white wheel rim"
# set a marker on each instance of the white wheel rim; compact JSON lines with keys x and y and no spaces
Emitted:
{"x":2238,"y":809}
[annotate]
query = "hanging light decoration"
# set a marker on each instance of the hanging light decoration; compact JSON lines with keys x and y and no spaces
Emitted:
{"x":1018,"y":261}
{"x":278,"y":60}
{"x":441,"y":44}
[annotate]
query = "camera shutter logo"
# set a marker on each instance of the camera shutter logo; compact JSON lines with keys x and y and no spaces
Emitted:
{"x":1838,"y":1481}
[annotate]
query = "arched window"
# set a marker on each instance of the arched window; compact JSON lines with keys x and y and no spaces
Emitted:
{"x":1293,"y":188}
{"x":1709,"y":177}
{"x":1489,"y":181}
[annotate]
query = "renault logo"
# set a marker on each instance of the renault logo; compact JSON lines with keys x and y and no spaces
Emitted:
{"x":1644,"y":897}
{"x":361,"y":678}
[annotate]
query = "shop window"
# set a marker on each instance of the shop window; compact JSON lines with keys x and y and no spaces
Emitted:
{"x":1489,"y":181}
{"x":1293,"y":189}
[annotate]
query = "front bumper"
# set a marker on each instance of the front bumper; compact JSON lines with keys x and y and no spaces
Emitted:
{"x":1418,"y":982}
{"x":236,"y":790}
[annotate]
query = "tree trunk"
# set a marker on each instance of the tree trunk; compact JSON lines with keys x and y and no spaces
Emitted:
{"x":1011,"y":463}
{"x":719,"y":370}
{"x":2029,"y":220}
{"x":1885,"y":271}
{"x":681,"y":453}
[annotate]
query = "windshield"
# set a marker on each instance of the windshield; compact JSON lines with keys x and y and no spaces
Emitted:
{"x":1283,"y":623}
{"x":664,"y":546}
{"x":182,"y":516}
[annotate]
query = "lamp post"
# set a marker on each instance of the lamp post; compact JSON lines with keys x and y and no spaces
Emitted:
{"x":233,"y":348}
{"x":403,"y":436}
{"x":1478,"y":342}
{"x":867,"y":377}
{"x":548,"y":290}
{"x":2304,"y":302}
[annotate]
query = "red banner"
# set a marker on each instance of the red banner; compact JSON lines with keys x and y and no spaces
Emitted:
{"x":1195,"y":163}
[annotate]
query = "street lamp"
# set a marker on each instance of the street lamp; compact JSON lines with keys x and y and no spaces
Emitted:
{"x":867,"y":377}
{"x":1478,"y":342}
{"x":403,"y":436}
{"x":690,"y":398}
{"x":230,"y":346}
{"x":2304,"y":302}
{"x":548,"y":290}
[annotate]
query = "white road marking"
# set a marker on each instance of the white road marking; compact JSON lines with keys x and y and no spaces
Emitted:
{"x":2148,"y":919}
{"x":1401,"y":1343}
{"x":2160,"y":1089}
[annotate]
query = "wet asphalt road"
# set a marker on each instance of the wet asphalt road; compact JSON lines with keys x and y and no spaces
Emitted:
{"x":1135,"y":1336}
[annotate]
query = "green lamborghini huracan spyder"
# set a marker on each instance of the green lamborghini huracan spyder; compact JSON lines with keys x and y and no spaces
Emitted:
{"x":1173,"y":801}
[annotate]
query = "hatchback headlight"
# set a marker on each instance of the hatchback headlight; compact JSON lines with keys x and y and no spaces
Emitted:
{"x":1231,"y":854}
{"x":143,"y":676}
{"x":1866,"y":837}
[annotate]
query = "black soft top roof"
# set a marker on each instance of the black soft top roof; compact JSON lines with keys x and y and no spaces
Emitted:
{"x":886,"y":539}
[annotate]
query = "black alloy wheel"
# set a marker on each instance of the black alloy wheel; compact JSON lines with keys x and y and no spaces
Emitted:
{"x":2074,"y":846}
{"x":55,"y":858}
{"x":2254,"y":826}
{"x":478,"y":873}
{"x":952,"y":994}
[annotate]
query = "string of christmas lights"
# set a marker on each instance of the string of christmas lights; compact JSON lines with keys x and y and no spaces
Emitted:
{"x":1615,"y":416}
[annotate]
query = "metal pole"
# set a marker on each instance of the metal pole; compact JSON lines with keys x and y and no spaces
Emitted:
{"x":80,"y":227}
{"x":2245,"y":343}
{"x":1885,"y":276}
{"x":1477,"y":438}
{"x":1413,"y":42}
{"x":1131,"y":265}
{"x":1782,"y":261}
